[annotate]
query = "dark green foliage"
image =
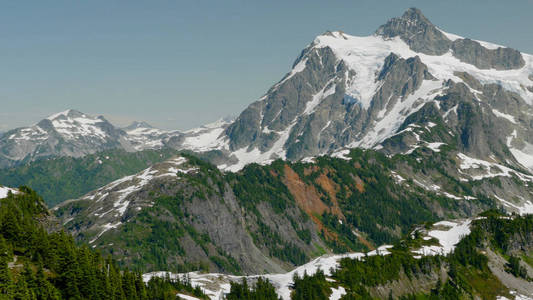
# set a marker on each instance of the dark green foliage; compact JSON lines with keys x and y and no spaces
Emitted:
{"x":311,"y":287}
{"x":262,"y":290}
{"x":256,"y":184}
{"x":377,"y":270}
{"x":468,"y":273}
{"x":52,"y":266}
{"x":59,"y":179}
{"x":382,"y":201}
{"x":166,"y":288}
{"x":276,"y":246}
{"x":515,"y":268}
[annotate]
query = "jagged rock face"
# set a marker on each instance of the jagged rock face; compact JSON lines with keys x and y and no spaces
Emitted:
{"x":417,"y":31}
{"x":472,"y":52}
{"x":422,"y":36}
{"x":265,"y":121}
{"x":320,"y":106}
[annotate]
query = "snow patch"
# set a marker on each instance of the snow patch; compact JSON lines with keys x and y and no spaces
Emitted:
{"x":435,"y":146}
{"x":4,"y":191}
{"x":318,"y":97}
{"x":449,"y":237}
{"x":216,"y":285}
{"x":337,"y":293}
{"x":504,"y":116}
{"x":485,"y":169}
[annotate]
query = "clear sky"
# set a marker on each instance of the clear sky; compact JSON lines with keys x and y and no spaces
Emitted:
{"x":179,"y":64}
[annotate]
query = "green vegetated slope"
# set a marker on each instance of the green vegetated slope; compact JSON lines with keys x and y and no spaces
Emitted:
{"x":470,"y":272}
{"x":263,"y":218}
{"x":62,"y":178}
{"x":35,"y":264}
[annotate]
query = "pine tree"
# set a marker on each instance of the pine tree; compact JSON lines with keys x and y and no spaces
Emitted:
{"x":6,"y":281}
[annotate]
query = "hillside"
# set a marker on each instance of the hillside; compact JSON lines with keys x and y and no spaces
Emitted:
{"x":485,"y":258}
{"x":184,"y":214}
{"x":35,"y":264}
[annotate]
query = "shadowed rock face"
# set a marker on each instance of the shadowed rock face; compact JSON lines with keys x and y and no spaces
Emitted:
{"x":335,"y":121}
{"x":400,"y":77}
{"x":417,"y":31}
{"x":424,"y":37}
{"x":259,"y":124}
{"x":474,"y":53}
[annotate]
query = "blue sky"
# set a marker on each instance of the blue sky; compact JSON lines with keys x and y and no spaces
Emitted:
{"x":179,"y":64}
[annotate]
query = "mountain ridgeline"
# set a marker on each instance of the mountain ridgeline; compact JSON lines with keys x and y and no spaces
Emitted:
{"x":185,"y":214}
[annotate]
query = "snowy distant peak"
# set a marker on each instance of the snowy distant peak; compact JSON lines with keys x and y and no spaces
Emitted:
{"x":411,"y":21}
{"x":136,"y":125}
{"x":70,"y":113}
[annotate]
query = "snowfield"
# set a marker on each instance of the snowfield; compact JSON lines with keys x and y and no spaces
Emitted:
{"x":451,"y":233}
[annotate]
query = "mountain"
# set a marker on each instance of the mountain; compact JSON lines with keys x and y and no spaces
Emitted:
{"x":74,"y":134}
{"x":68,"y":133}
{"x":144,"y":136}
{"x":348,"y":91}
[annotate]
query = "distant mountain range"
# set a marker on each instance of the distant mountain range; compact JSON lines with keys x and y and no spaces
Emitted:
{"x":75,"y":134}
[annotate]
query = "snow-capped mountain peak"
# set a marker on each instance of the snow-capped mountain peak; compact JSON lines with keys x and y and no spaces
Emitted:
{"x":72,"y":124}
{"x":68,"y":133}
{"x":350,"y":91}
{"x":136,"y":124}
